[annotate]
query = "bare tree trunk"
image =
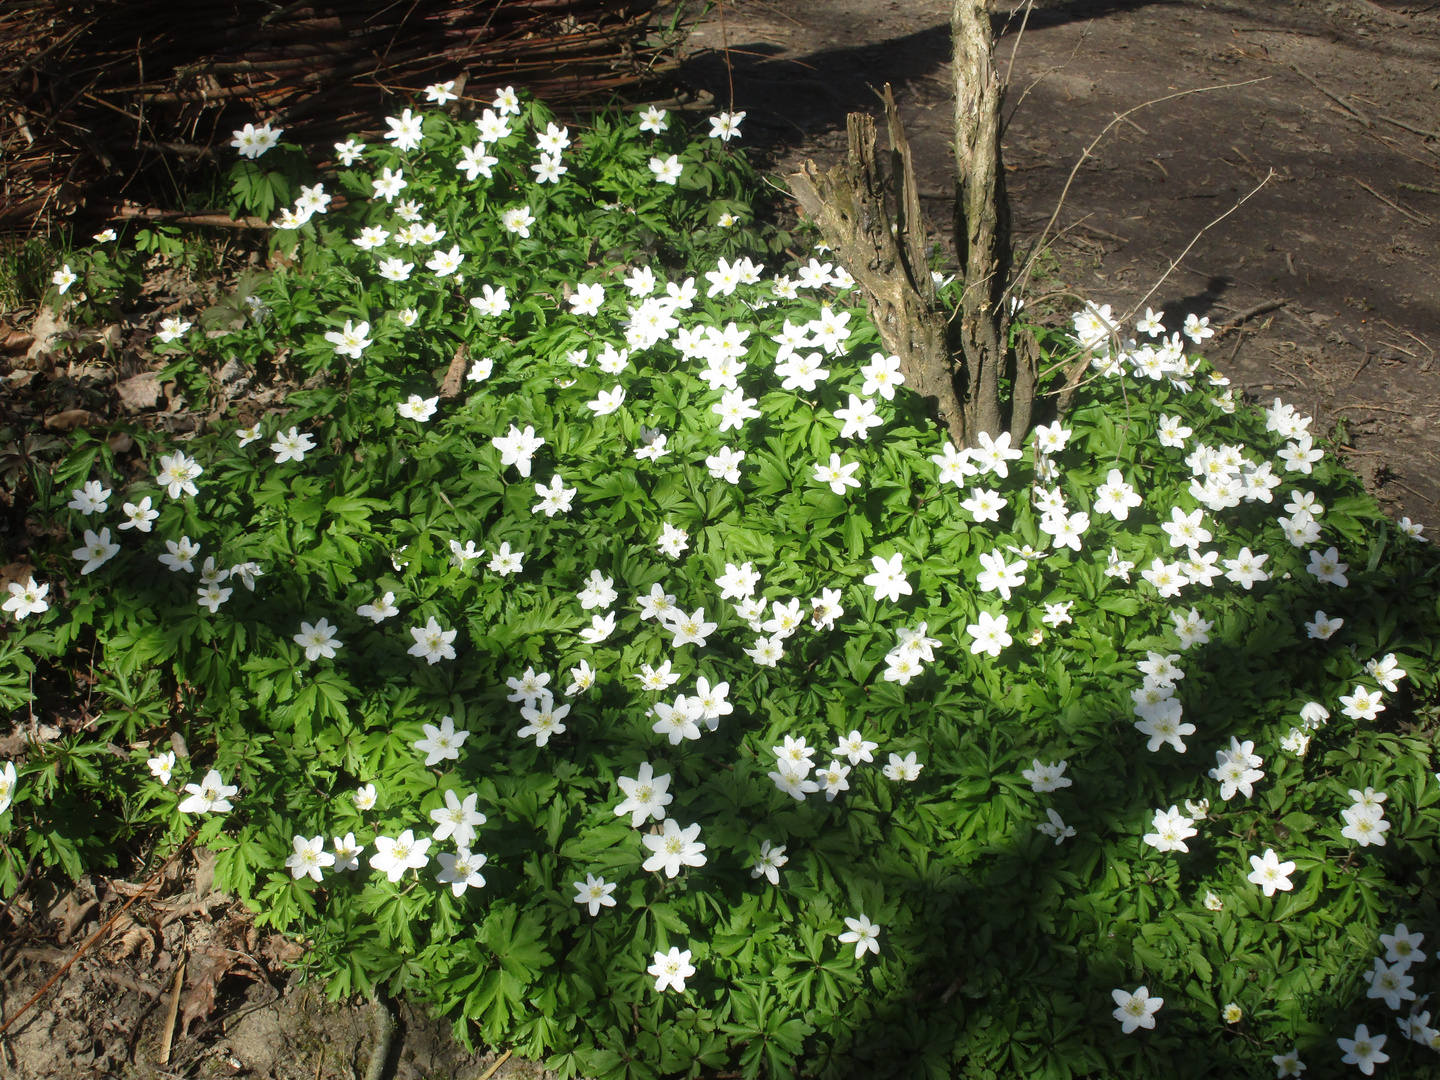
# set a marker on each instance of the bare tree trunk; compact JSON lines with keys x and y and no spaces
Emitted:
{"x":982,"y":216}
{"x":956,"y":363}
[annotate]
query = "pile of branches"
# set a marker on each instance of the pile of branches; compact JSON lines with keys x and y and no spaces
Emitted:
{"x":108,"y":99}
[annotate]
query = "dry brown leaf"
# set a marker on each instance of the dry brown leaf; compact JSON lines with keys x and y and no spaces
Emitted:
{"x":451,"y":386}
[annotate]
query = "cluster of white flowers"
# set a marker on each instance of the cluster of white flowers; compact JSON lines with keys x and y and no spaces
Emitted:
{"x":806,"y":353}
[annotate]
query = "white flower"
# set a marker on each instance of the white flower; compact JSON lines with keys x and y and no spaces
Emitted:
{"x":461,"y":871}
{"x":1057,"y":614}
{"x":1150,"y":325}
{"x":1328,"y":568}
{"x":994,"y":455}
{"x":390,"y":184}
{"x":990,"y":634}
{"x":599,"y":591}
{"x":1115,"y":496}
{"x":673,"y":847}
{"x":445,"y":263}
{"x":433,"y":642}
{"x":581,"y":679}
{"x":392,"y":270}
{"x":418,"y":408}
{"x":1055,"y":827}
{"x":1403,"y":947}
{"x":734,"y":408}
{"x":1324,"y":627}
{"x":671,"y":969}
{"x":440,"y":93}
{"x":456,"y":820}
{"x":441,"y":743}
{"x":888,"y":579}
{"x":1270,"y":873}
{"x":1044,"y":778}
{"x":177,"y":474}
{"x":507,"y":102}
{"x":863,"y":934}
{"x":1197,"y":329}
{"x":518,"y":220}
{"x":404,"y":130}
{"x":690,"y":629}
{"x":1364,"y":1050}
{"x":838,"y":476}
{"x":998,"y":575}
{"x":906,"y":768}
{"x":292,"y":446}
{"x":506,"y":562}
{"x":1172,"y":829}
{"x":666,"y":170}
{"x":349,"y":151}
{"x":210,"y":796}
{"x":543,"y":719}
{"x":172,"y":329}
{"x":646,"y":796}
{"x":517,"y":448}
{"x":985,"y":505}
{"x":97,"y":550}
{"x":607,"y":401}
{"x":318,"y":640}
{"x":600,"y":628}
{"x":594,"y":892}
{"x":27,"y":599}
{"x":138,"y":515}
{"x":1135,"y":1010}
{"x":365,"y":797}
{"x":380,"y":610}
{"x":162,"y":766}
{"x":882,"y":376}
{"x":180,"y":555}
{"x":653,"y":119}
{"x":1363,"y":704}
{"x":586,"y":299}
{"x":8,"y":780}
{"x":310,"y":858}
{"x":726,"y":125}
{"x":859,"y":417}
{"x":394,"y":855}
{"x":252,"y":141}
{"x":91,"y":498}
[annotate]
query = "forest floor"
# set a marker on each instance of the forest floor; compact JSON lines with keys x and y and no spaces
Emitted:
{"x":1339,"y":99}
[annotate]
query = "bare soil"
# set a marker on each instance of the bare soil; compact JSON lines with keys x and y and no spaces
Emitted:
{"x":1345,"y":233}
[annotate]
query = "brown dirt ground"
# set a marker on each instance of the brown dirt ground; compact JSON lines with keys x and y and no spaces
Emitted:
{"x":1345,"y":232}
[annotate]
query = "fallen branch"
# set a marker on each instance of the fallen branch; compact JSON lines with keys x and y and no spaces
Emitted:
{"x":1418,"y":218}
{"x":1410,"y":127}
{"x":182,"y":217}
{"x":1348,"y":106}
{"x":1248,"y":314}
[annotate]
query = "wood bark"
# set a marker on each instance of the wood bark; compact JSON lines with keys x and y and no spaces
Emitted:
{"x":849,"y":205}
{"x":982,"y":215}
{"x":957,"y":361}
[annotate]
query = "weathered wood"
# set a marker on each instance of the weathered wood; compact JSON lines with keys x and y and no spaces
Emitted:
{"x":848,"y":204}
{"x":982,"y":214}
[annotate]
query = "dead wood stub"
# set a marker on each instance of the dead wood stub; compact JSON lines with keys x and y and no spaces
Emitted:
{"x":849,"y":204}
